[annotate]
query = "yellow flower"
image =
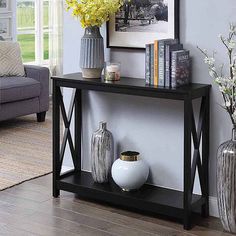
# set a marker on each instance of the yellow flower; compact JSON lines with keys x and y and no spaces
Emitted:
{"x":93,"y":12}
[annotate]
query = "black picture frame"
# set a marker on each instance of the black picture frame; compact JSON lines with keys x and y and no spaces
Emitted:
{"x":176,"y":29}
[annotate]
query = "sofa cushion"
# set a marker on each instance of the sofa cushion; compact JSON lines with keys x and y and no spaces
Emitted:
{"x":10,"y":59}
{"x":18,"y":88}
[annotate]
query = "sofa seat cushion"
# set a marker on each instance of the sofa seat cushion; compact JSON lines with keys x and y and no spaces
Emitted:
{"x":18,"y":88}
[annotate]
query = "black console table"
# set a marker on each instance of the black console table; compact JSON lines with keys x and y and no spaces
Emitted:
{"x":149,"y":198}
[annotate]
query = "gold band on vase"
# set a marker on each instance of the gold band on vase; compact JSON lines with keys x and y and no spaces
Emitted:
{"x":129,"y":156}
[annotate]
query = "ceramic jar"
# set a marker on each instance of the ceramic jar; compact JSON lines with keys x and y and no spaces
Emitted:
{"x":130,"y":172}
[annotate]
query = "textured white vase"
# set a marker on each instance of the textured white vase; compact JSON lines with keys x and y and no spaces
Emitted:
{"x":130,"y":173}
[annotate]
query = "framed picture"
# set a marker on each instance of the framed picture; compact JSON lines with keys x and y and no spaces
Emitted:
{"x":5,"y":27}
{"x":142,"y":21}
{"x":4,"y":6}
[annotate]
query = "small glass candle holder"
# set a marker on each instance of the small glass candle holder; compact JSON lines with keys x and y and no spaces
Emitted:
{"x":112,"y":71}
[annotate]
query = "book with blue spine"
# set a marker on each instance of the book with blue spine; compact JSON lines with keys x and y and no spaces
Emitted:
{"x":162,"y":46}
{"x":148,"y":64}
{"x":152,"y":63}
{"x":169,"y":49}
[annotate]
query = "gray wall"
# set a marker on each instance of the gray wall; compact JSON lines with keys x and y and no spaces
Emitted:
{"x":151,"y":126}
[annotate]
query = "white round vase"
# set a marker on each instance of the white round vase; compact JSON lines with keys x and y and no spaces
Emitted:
{"x":130,"y":172}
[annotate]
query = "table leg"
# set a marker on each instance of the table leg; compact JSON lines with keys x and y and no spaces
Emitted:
{"x":187,"y":162}
{"x":56,"y":138}
{"x":205,"y":156}
{"x":78,"y":129}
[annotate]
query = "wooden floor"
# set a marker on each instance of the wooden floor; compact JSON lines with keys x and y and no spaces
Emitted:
{"x":29,"y":209}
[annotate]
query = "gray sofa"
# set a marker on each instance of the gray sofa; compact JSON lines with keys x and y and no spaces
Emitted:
{"x":21,"y":96}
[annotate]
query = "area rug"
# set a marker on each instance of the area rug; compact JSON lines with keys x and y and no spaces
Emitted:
{"x":25,"y":150}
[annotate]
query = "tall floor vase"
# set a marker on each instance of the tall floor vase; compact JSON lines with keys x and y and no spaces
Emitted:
{"x":92,"y":53}
{"x":226,"y":183}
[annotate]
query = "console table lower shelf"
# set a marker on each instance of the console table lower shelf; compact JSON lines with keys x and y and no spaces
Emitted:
{"x":149,"y":198}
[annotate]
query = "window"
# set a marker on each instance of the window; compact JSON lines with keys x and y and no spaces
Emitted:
{"x":33,"y":30}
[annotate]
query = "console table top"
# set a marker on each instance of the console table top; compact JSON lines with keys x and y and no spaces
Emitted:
{"x":132,"y":86}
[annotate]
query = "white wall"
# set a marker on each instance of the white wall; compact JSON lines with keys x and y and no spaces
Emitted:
{"x":154,"y":127}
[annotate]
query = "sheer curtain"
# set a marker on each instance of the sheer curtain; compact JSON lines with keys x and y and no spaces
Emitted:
{"x":56,"y":8}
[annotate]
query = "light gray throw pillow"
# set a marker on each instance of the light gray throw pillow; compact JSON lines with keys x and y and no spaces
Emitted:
{"x":10,"y":59}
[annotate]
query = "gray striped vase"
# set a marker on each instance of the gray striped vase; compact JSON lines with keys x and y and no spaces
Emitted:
{"x":92,"y":53}
{"x":102,"y":154}
{"x":226,"y":183}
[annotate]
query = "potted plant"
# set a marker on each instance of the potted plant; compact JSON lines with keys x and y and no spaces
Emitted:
{"x":92,"y":14}
{"x":226,"y":156}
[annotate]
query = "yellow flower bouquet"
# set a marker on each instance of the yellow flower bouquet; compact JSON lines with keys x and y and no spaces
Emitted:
{"x":93,"y":12}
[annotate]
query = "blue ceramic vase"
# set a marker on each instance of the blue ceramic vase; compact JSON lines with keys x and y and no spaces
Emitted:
{"x":92,"y":53}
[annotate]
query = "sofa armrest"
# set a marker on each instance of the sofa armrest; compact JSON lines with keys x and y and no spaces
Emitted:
{"x":37,"y":72}
{"x":40,"y":74}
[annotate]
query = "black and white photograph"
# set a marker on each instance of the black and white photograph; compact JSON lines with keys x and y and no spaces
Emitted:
{"x":4,"y":5}
{"x":5,"y":27}
{"x":143,"y":16}
{"x":142,"y":21}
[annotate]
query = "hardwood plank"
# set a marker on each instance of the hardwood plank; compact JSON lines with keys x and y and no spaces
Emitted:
{"x":19,"y":205}
{"x":29,"y":209}
{"x":29,"y":194}
{"x":15,"y":210}
{"x":24,"y":224}
{"x":206,"y":227}
{"x":44,"y":224}
{"x":198,"y":229}
{"x":7,"y":230}
{"x":15,"y":200}
{"x":116,"y":218}
{"x":48,"y":211}
{"x":88,"y":221}
{"x":42,"y":230}
{"x":43,"y":181}
{"x":69,"y":226}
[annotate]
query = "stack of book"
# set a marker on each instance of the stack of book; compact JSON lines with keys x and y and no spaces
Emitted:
{"x":167,"y":63}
